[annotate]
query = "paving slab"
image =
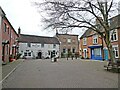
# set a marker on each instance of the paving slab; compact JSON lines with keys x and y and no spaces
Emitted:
{"x":61,"y":74}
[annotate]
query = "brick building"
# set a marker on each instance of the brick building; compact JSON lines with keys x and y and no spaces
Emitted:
{"x":1,"y":16}
{"x":8,"y":38}
{"x":68,"y":43}
{"x":92,"y":46}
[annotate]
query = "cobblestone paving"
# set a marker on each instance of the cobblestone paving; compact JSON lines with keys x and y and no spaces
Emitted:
{"x":61,"y":74}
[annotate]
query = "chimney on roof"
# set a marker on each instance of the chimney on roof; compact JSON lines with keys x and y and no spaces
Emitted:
{"x":19,"y":31}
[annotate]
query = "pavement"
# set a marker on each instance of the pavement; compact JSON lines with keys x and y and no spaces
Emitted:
{"x":62,"y":74}
{"x":9,"y":68}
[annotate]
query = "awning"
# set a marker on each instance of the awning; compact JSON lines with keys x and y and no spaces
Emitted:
{"x":95,"y":46}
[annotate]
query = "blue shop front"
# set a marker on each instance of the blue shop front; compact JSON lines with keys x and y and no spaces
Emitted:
{"x":96,"y":52}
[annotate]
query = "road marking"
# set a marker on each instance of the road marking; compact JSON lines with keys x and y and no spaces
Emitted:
{"x":9,"y":73}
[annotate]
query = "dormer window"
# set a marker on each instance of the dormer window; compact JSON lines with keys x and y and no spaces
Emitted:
{"x":95,"y":39}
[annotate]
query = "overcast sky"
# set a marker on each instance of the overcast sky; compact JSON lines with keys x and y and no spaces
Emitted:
{"x":21,"y":13}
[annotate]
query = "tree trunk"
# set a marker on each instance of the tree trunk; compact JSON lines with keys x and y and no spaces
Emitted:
{"x":111,"y":53}
{"x":110,"y":50}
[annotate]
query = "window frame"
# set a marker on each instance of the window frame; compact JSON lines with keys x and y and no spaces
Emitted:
{"x":42,"y":45}
{"x":69,"y":40}
{"x":95,"y":39}
{"x":114,"y":50}
{"x":112,"y":34}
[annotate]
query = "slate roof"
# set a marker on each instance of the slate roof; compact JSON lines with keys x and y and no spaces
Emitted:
{"x":114,"y":23}
{"x":37,"y":39}
{"x":68,"y":34}
{"x":86,"y":33}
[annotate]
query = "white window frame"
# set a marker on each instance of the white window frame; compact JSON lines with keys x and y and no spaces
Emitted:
{"x":95,"y":38}
{"x":69,"y":40}
{"x":113,"y":47}
{"x":84,"y":41}
{"x":112,"y":35}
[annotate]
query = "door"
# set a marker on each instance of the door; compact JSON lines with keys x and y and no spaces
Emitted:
{"x":85,"y":53}
{"x":105,"y":54}
{"x":92,"y":54}
{"x":39,"y":55}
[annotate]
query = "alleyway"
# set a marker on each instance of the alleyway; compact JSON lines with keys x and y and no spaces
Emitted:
{"x":61,"y":74}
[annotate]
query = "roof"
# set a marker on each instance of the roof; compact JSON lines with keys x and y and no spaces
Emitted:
{"x":2,"y":10}
{"x":37,"y":39}
{"x":68,"y":34}
{"x":4,"y":15}
{"x":86,"y":34}
{"x":114,"y":23}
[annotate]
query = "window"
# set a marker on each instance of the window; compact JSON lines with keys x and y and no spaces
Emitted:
{"x":48,"y":52}
{"x":95,"y":39}
{"x":73,"y":40}
{"x":29,"y":54}
{"x":115,"y":51}
{"x":5,"y":27}
{"x":69,"y":40}
{"x":25,"y":54}
{"x":8,"y":30}
{"x":42,"y":45}
{"x":64,"y":50}
{"x":73,"y":50}
{"x":97,"y":51}
{"x":27,"y":50}
{"x":11,"y":35}
{"x":7,"y":49}
{"x":84,"y":41}
{"x":29,"y":44}
{"x":69,"y":50}
{"x":64,"y":40}
{"x":54,"y":45}
{"x":113,"y":35}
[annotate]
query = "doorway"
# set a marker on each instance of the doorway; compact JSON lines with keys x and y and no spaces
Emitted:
{"x":85,"y":53}
{"x":39,"y":55}
{"x":105,"y":54}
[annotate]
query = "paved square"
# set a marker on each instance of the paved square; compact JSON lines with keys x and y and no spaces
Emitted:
{"x":62,"y":74}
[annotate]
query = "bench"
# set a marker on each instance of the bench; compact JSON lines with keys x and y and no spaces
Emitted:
{"x":114,"y":65}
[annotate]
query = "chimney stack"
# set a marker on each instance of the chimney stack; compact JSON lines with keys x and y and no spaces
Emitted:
{"x":19,"y":31}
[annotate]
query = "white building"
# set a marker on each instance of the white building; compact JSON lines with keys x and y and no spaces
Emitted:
{"x":31,"y":46}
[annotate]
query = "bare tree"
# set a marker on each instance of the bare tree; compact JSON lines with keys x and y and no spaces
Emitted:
{"x":68,"y":14}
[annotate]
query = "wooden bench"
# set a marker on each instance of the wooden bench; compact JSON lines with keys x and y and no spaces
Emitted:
{"x":115,"y":65}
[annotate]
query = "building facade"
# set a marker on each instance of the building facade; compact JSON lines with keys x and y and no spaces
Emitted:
{"x":1,"y":19}
{"x":68,"y":44}
{"x":7,"y":42}
{"x":92,"y":46}
{"x":31,"y":46}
